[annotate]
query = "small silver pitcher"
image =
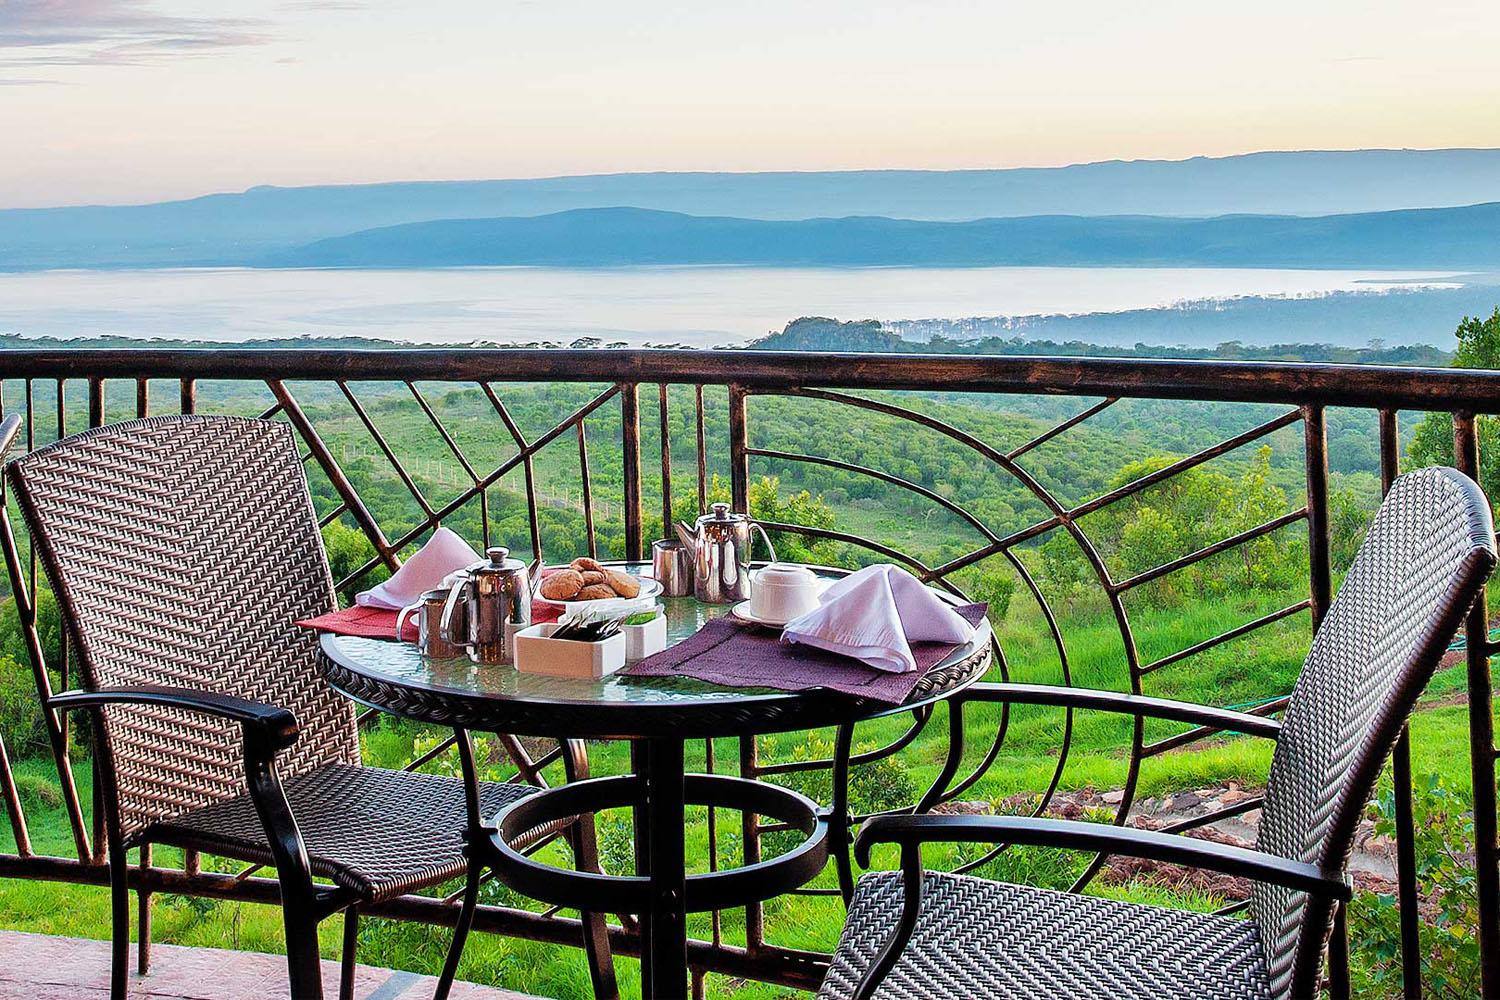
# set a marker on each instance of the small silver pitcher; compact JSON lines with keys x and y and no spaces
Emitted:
{"x":429,"y":612}
{"x":494,"y":593}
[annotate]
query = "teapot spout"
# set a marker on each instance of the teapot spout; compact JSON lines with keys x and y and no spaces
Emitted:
{"x":686,"y":534}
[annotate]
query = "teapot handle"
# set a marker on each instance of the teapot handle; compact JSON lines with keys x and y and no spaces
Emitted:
{"x":445,"y":625}
{"x":766,"y":538}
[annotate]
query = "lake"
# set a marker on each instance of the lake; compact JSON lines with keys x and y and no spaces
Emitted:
{"x":697,"y":306}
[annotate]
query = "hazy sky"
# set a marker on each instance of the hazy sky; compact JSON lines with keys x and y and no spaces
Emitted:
{"x":135,"y":100}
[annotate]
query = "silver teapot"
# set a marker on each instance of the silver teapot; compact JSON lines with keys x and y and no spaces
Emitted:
{"x":488,"y":603}
{"x":721,"y":542}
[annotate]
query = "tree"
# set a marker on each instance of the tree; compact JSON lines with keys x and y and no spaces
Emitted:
{"x":1432,"y":442}
{"x":1190,"y":511}
{"x":348,"y":549}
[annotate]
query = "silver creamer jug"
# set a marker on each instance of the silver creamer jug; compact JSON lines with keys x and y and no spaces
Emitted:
{"x":429,"y":610}
{"x":493,"y":593}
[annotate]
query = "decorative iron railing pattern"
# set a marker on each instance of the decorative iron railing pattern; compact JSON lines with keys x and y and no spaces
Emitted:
{"x":482,"y":442}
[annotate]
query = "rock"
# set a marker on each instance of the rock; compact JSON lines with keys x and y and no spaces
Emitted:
{"x":1114,"y":797}
{"x":1183,"y":801}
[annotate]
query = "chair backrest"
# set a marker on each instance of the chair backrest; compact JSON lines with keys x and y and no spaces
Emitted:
{"x":1427,"y":553}
{"x":181,"y":550}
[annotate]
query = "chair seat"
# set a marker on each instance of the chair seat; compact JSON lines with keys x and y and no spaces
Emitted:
{"x":975,"y":937}
{"x":375,"y":832}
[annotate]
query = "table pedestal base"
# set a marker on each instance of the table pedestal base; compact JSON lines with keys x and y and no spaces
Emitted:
{"x":663,"y":894}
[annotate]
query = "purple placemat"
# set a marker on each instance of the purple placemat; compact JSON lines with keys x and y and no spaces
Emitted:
{"x":725,"y":652}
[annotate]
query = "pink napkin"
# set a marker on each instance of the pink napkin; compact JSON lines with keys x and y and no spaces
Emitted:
{"x":380,"y":623}
{"x":874,"y":616}
{"x":444,"y":552}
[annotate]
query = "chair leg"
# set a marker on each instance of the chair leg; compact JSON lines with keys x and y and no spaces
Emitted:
{"x":1338,"y":955}
{"x":119,"y":899}
{"x":304,"y":968}
{"x":349,"y":954}
{"x":460,"y":932}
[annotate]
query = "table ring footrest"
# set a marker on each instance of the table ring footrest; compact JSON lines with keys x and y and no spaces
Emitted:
{"x":603,"y":893}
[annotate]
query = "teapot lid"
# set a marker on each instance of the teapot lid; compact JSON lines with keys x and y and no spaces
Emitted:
{"x":721,"y":512}
{"x":497,"y":560}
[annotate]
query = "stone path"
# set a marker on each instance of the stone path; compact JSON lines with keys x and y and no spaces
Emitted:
{"x":43,"y":967}
{"x":1372,"y":863}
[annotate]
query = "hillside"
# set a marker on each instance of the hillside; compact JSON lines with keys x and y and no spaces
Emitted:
{"x":1463,"y":237}
{"x":227,"y":227}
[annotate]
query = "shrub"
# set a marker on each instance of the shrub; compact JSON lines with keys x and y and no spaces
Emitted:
{"x":21,"y":722}
{"x":37,"y":793}
{"x":1445,"y":879}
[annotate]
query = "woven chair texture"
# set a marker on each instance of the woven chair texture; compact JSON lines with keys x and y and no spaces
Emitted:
{"x":1372,"y":655}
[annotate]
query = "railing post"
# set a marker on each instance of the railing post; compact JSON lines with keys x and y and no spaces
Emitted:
{"x":1320,"y":574}
{"x":666,"y":464}
{"x":1481,"y":746}
{"x":630,"y":440}
{"x":739,"y":457}
{"x":96,"y":402}
{"x":1407,"y":894}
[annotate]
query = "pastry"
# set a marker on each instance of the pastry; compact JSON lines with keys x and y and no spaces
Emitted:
{"x":595,"y":592}
{"x":562,"y":585}
{"x":622,"y":583}
{"x":586,"y":565}
{"x":591,"y":577}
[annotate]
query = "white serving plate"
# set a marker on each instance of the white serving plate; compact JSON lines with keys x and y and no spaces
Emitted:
{"x":643,"y":601}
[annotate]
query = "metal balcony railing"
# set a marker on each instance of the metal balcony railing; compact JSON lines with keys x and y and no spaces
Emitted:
{"x":607,"y":404}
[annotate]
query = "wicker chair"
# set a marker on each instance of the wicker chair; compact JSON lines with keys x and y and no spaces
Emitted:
{"x":916,"y":934}
{"x":181,"y":550}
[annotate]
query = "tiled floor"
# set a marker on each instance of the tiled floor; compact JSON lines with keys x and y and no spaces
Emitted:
{"x":42,"y":967}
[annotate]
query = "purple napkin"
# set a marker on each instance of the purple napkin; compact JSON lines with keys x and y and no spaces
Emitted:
{"x":725,"y":652}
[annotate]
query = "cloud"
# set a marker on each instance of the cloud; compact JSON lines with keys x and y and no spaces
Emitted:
{"x":113,"y":33}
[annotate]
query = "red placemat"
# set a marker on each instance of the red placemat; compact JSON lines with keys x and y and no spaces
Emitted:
{"x":725,"y":652}
{"x":378,"y":623}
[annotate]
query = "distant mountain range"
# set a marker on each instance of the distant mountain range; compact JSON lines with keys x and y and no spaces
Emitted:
{"x":262,"y":222}
{"x":1467,"y":237}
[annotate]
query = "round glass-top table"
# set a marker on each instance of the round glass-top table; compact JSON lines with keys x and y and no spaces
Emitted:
{"x":659,"y":714}
{"x":395,"y":677}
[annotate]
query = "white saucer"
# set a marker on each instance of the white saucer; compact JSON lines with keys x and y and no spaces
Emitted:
{"x":649,"y":589}
{"x":743,"y":613}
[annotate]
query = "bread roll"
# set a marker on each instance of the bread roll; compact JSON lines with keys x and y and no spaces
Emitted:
{"x":562,"y":585}
{"x":622,"y":583}
{"x":594,"y":592}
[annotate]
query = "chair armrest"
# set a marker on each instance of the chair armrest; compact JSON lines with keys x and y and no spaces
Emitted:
{"x":1125,"y":704}
{"x":911,"y":831}
{"x":8,"y":430}
{"x":265,"y":726}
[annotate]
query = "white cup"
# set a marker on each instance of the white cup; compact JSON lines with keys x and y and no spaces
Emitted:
{"x":782,"y":591}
